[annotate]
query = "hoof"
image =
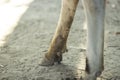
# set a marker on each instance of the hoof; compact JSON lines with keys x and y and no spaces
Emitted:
{"x":90,"y":77}
{"x":58,"y":58}
{"x":46,"y":62}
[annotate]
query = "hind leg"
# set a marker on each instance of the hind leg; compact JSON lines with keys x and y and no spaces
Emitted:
{"x":58,"y":43}
{"x":95,"y":12}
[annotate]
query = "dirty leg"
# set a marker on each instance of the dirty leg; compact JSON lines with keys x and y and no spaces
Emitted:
{"x":95,"y":11}
{"x":58,"y":43}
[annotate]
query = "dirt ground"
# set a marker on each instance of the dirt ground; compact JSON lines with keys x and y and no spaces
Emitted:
{"x":26,"y":28}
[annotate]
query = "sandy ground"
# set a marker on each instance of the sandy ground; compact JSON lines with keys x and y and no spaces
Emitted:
{"x":26,"y":29}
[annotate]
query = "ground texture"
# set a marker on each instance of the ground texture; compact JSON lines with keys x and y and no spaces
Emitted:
{"x":24,"y":45}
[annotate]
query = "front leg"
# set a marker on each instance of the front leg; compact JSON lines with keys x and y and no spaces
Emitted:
{"x":58,"y":43}
{"x":95,"y":12}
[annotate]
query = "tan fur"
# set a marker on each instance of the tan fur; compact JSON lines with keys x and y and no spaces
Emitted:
{"x":58,"y":43}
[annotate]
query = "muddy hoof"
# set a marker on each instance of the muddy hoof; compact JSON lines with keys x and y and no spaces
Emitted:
{"x":58,"y":59}
{"x":46,"y":62}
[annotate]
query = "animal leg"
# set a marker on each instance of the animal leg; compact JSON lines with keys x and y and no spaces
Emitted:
{"x":58,"y":43}
{"x":95,"y":12}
